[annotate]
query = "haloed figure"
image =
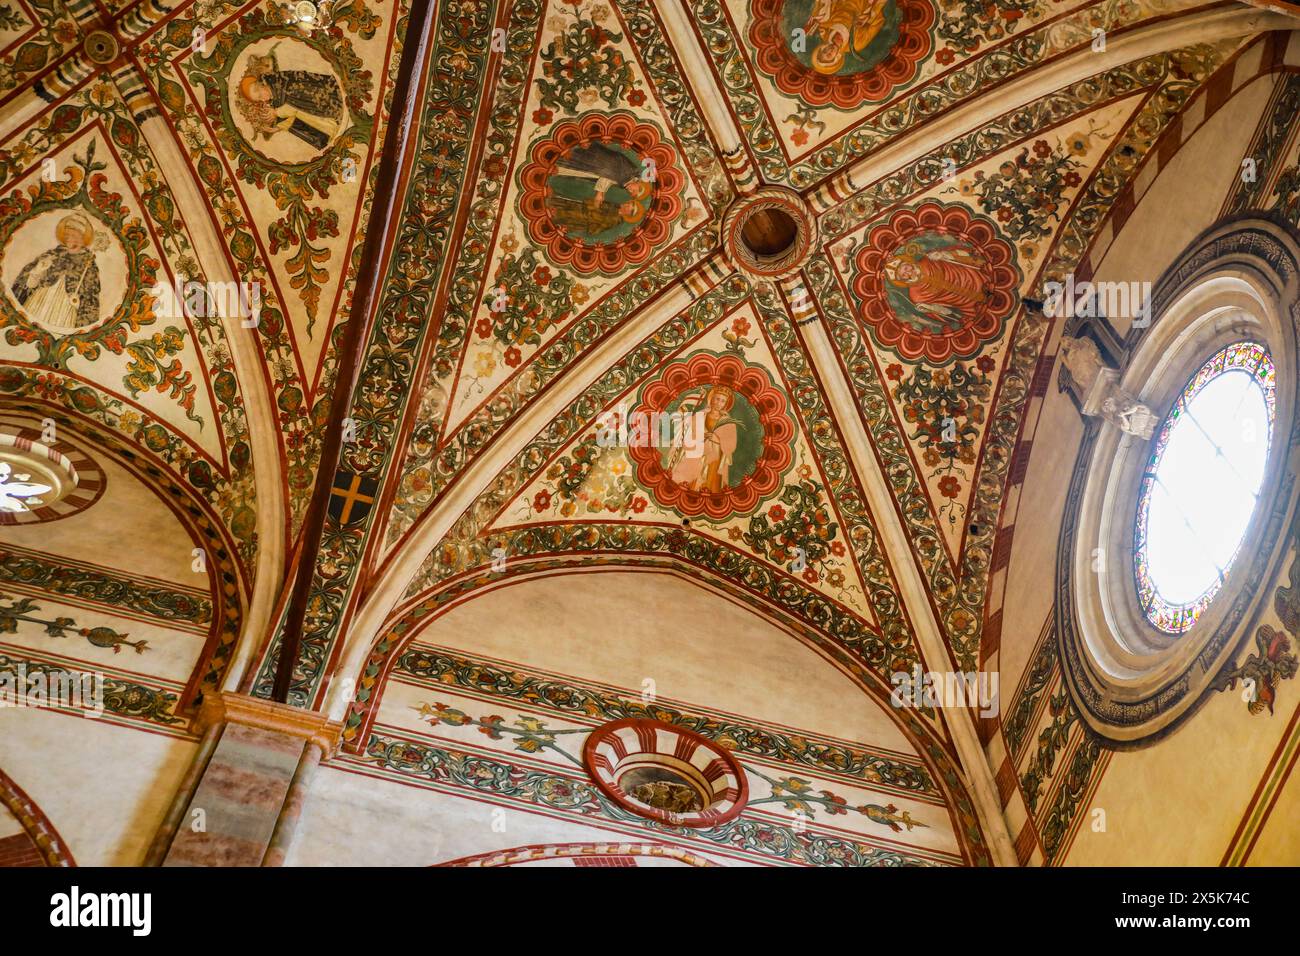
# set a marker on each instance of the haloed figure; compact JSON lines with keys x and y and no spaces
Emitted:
{"x":707,"y":466}
{"x":596,"y":188}
{"x":946,"y":285}
{"x":841,"y":26}
{"x":60,"y":287}
{"x":304,"y":104}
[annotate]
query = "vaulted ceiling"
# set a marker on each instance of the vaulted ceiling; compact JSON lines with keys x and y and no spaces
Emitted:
{"x":478,"y":228}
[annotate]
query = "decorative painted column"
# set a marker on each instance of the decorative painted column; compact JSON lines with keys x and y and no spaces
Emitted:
{"x":240,"y":803}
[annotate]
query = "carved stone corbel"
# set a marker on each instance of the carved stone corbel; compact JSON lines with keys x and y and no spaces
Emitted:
{"x":1095,"y":389}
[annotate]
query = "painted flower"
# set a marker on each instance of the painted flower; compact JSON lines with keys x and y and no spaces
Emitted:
{"x":483,"y":327}
{"x":799,"y":137}
{"x":638,"y":504}
{"x":946,"y":55}
{"x":513,"y":357}
{"x":776,"y":513}
{"x":985,"y":364}
{"x":509,"y":243}
{"x":962,"y":619}
{"x":542,"y":500}
{"x":485,"y":363}
{"x":740,"y":326}
{"x":49,"y":386}
{"x":579,"y":293}
{"x":810,"y":575}
{"x":949,"y":486}
{"x":1078,"y":143}
{"x":1073,"y":179}
{"x":836,"y":578}
{"x":636,"y":98}
{"x":894,"y":371}
{"x":542,"y":116}
{"x":1042,"y":149}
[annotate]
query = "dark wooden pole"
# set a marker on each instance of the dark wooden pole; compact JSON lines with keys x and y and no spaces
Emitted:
{"x":398,"y":144}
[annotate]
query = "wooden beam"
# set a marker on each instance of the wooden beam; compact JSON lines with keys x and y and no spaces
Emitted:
{"x":399,"y":143}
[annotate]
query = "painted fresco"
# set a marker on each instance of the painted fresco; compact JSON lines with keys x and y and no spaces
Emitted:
{"x":558,"y":270}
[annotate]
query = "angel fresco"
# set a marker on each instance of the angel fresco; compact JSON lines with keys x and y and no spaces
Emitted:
{"x":706,"y":465}
{"x":940,"y":282}
{"x":598,"y":191}
{"x":302,"y":103}
{"x":60,"y":287}
{"x":841,"y":27}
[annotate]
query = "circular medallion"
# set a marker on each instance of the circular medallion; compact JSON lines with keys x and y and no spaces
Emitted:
{"x":769,"y":232}
{"x":600,"y":193}
{"x":42,"y":481}
{"x":101,"y":46}
{"x":64,"y":270}
{"x":285,"y":99}
{"x":665,"y":773}
{"x":732,"y":436}
{"x":936,"y":282}
{"x":841,"y":53}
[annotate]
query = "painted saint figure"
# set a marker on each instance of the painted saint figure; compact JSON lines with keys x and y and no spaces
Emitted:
{"x":596,"y":188}
{"x":60,"y":287}
{"x":944,"y":282}
{"x":706,"y":465}
{"x":304,"y":104}
{"x":840,"y":26}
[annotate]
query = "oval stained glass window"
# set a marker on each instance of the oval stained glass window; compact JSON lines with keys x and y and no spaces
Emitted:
{"x":1201,"y":485}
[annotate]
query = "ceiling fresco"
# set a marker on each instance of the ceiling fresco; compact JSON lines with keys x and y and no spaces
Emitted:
{"x":560,"y":268}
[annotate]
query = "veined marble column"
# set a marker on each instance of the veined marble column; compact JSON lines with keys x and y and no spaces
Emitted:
{"x":240,"y":803}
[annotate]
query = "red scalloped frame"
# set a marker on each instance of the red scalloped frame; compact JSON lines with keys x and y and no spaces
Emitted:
{"x":774,"y":461}
{"x":1001,"y":272}
{"x":626,"y":130}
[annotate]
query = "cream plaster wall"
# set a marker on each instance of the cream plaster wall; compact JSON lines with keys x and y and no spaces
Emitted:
{"x":1179,"y":801}
{"x":355,"y":820}
{"x":626,"y":627}
{"x":104,"y":787}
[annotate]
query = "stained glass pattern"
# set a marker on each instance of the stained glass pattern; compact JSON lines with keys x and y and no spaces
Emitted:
{"x":1201,"y":485}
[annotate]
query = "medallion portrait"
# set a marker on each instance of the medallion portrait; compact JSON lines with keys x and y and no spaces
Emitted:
{"x":600,"y":193}
{"x":64,"y":270}
{"x":841,"y":53}
{"x":936,"y":282}
{"x":285,"y":100}
{"x":733,"y":443}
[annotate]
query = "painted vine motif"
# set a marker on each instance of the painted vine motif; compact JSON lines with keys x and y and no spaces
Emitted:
{"x":23,"y":609}
{"x":52,"y":301}
{"x":417,"y":760}
{"x":943,"y":408}
{"x":253,"y":103}
{"x":447,"y":669}
{"x":583,"y":64}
